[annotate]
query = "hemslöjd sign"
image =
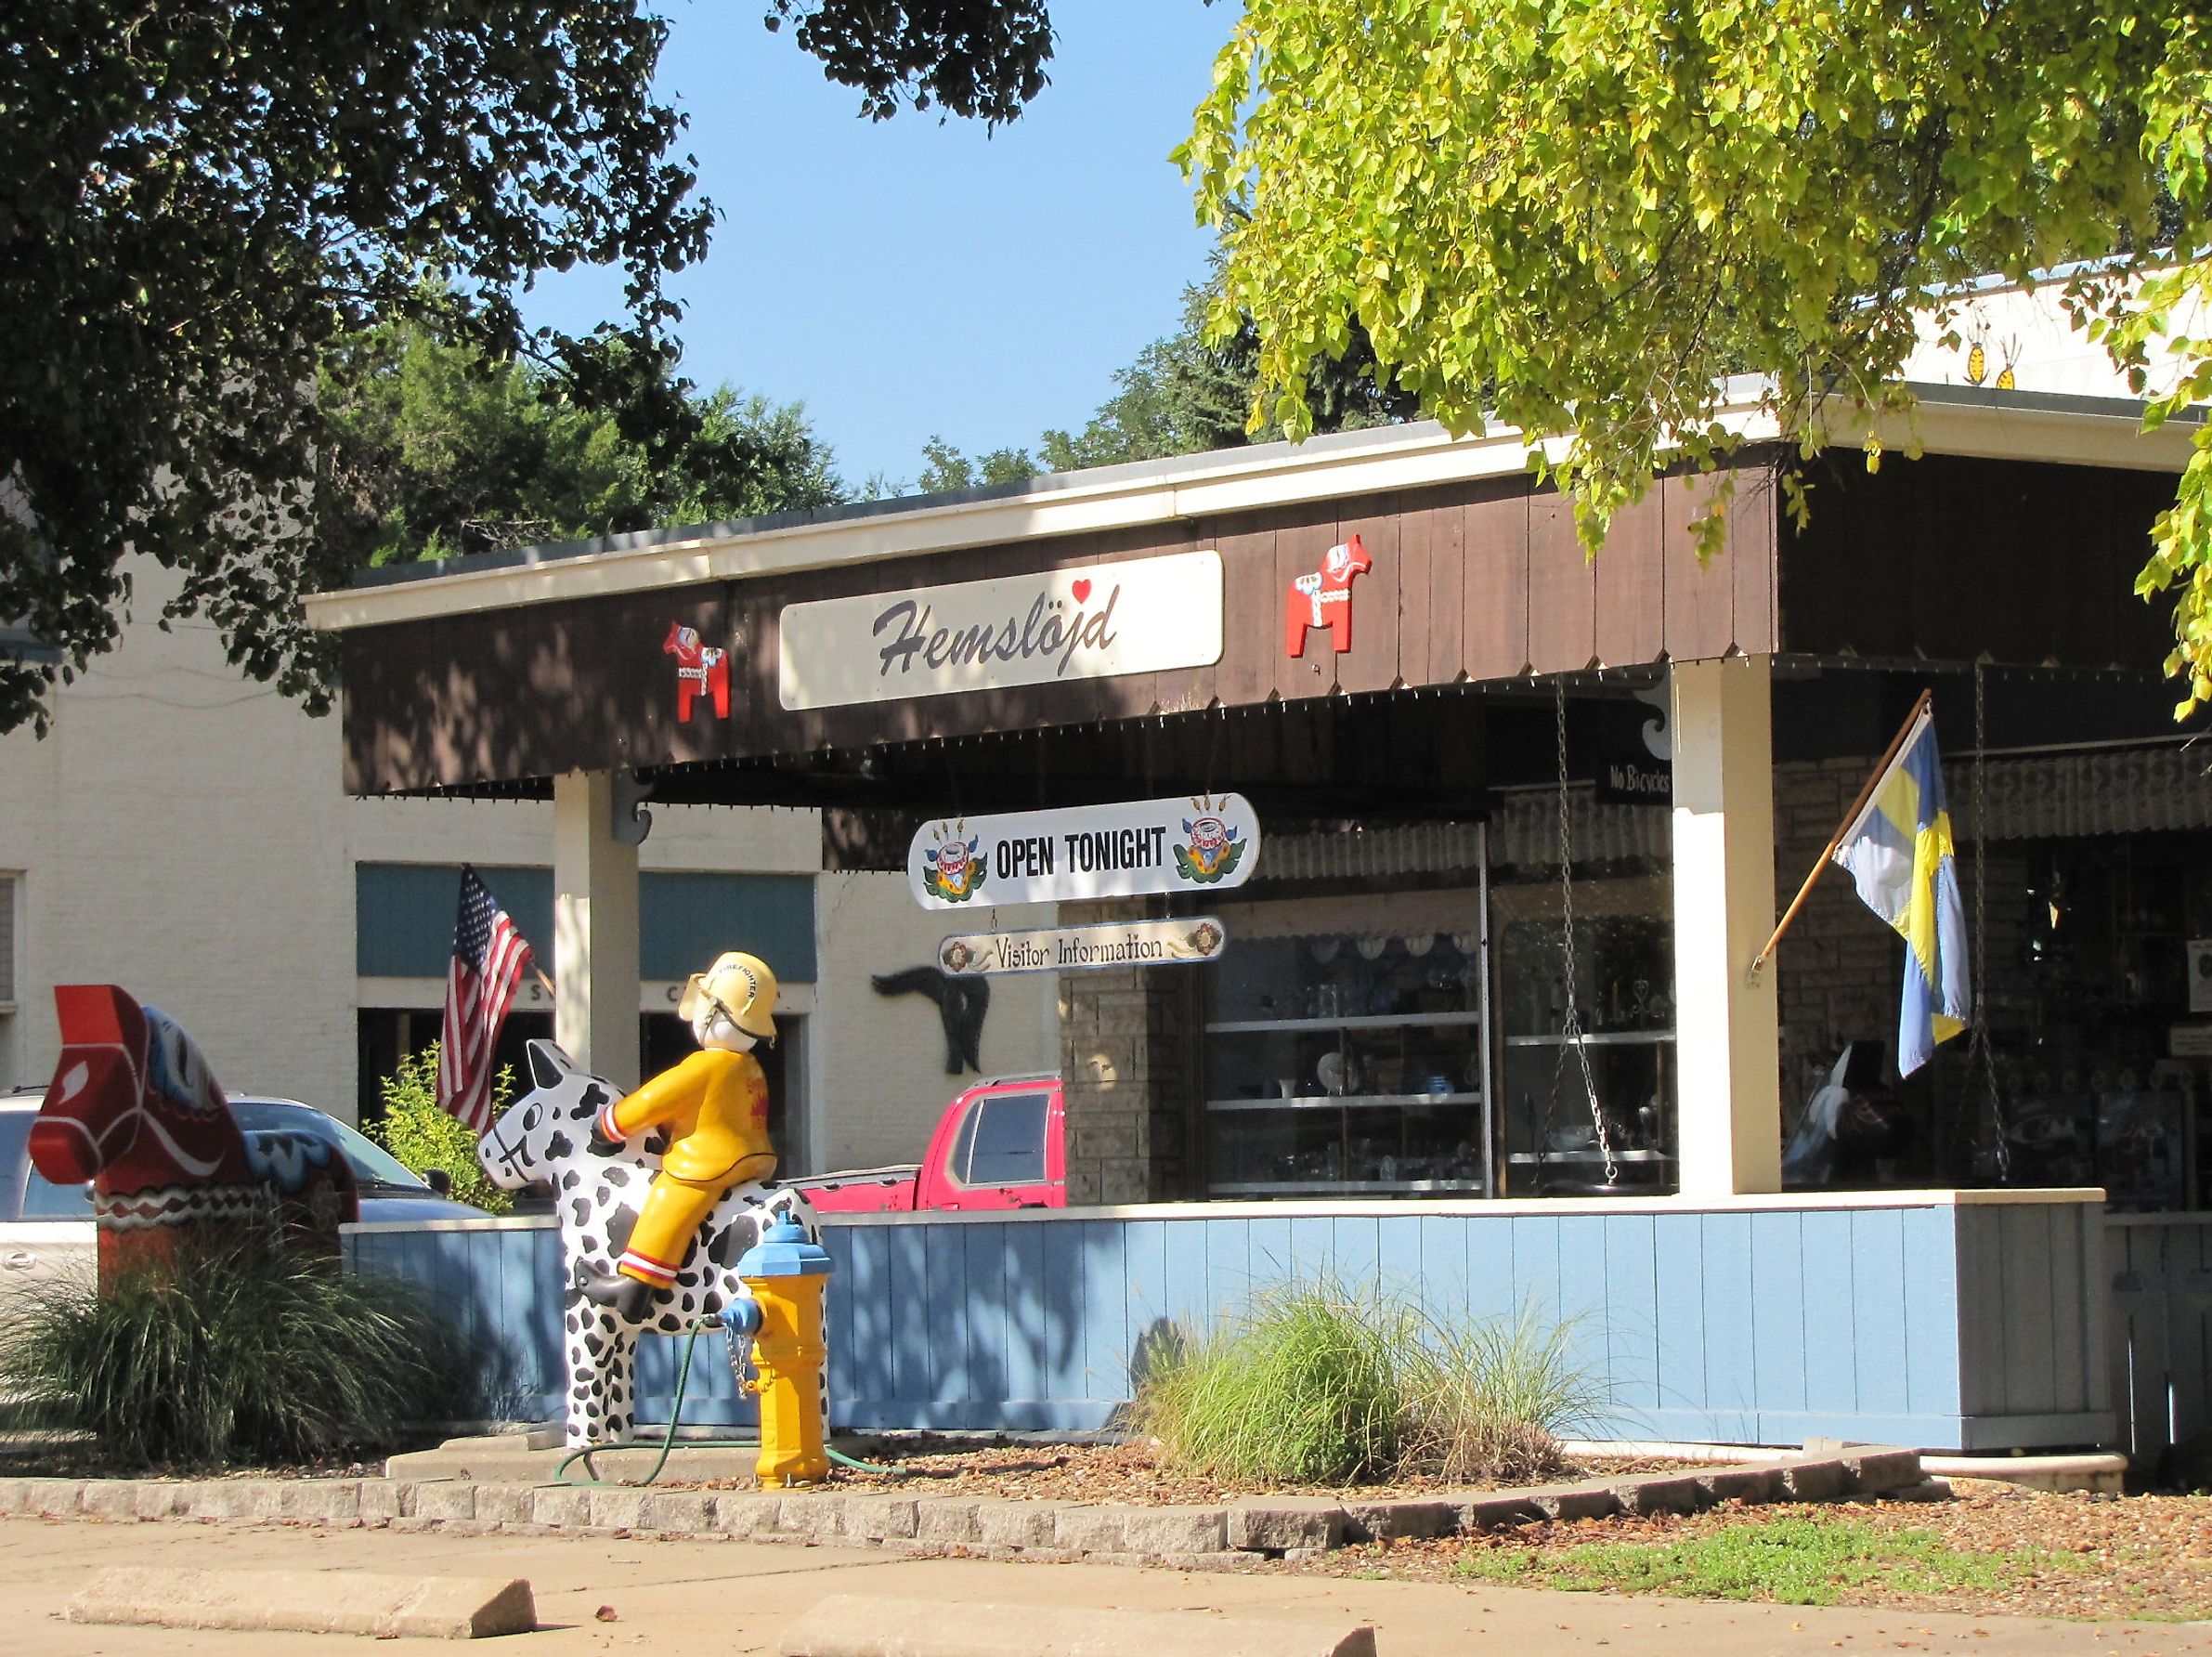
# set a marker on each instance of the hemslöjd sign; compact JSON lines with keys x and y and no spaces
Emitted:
{"x":1205,"y":842}
{"x":1093,"y":621}
{"x":1182,"y":940}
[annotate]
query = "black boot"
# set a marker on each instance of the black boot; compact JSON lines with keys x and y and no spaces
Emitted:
{"x":625,"y":1297}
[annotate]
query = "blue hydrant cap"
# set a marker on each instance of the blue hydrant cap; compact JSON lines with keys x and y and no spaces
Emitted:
{"x":785,"y":1251}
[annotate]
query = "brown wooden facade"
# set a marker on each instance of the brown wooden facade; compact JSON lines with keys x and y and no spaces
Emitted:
{"x":1940,"y":560}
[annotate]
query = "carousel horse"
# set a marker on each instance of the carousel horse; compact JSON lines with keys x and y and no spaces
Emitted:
{"x":135,"y":1110}
{"x":544,"y":1139}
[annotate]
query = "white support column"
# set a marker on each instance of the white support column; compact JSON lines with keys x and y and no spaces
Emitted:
{"x":1726,"y":1039}
{"x":595,"y":929}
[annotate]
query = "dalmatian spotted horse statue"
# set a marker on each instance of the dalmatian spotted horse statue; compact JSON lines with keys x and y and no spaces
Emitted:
{"x":544,"y":1138}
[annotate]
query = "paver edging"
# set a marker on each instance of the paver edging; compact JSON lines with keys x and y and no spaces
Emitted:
{"x":1232,"y":1536}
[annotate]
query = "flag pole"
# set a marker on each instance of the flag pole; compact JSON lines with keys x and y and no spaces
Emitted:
{"x":1882,"y":768}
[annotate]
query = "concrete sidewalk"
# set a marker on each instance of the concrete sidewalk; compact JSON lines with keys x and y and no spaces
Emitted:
{"x":738,"y":1597}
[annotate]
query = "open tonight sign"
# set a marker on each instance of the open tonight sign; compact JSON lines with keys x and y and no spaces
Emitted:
{"x":1208,"y":842}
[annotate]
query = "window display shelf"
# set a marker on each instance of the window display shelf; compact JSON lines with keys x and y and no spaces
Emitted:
{"x":1342,"y":1187}
{"x":1363,"y":1021}
{"x":1597,"y":1038}
{"x":1320,"y":1101}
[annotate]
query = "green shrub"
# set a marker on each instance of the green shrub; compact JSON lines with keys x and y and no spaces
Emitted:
{"x":1488,"y":1399}
{"x":1300,"y":1388}
{"x":1314,"y":1384}
{"x":423,"y":1137}
{"x":246,"y":1351}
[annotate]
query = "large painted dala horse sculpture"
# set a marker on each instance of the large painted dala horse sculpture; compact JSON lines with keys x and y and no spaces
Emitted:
{"x":135,"y":1110}
{"x":544,"y":1139}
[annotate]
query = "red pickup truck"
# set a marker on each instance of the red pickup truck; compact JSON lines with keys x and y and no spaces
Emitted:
{"x":1001,"y":1145}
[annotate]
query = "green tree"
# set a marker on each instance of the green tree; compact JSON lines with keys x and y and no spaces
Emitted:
{"x":945,"y":467}
{"x":199,"y":201}
{"x":1577,"y":219}
{"x":422,"y":1135}
{"x":435,"y":451}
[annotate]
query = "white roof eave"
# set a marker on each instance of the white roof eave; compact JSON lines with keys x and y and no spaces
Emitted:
{"x":1951,"y":419}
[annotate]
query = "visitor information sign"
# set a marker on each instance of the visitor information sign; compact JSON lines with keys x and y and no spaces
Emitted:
{"x":1187,"y":940}
{"x":1199,"y":843}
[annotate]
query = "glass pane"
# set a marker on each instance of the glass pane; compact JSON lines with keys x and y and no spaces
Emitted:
{"x":1008,"y":1148}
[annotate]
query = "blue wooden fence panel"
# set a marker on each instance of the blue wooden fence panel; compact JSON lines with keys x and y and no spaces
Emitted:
{"x":1947,"y":1326}
{"x":2160,"y":1272}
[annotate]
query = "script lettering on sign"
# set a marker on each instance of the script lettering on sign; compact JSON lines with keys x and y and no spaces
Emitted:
{"x":1146,"y":615}
{"x":1189,"y":939}
{"x":1192,"y":845}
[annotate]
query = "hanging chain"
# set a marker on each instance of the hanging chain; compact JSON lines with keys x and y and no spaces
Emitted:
{"x":1979,"y":1058}
{"x":1571,"y":1024}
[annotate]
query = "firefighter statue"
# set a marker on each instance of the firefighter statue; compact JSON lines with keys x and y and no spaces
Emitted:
{"x":714,"y":1106}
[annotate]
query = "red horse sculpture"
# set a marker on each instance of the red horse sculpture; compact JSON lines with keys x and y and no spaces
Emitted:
{"x":701,"y":670}
{"x":134,"y":1109}
{"x":1324,"y":598}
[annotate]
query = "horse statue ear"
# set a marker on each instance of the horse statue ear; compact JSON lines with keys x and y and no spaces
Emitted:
{"x":549,"y":1064}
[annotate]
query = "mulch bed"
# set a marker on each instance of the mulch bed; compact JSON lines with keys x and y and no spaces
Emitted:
{"x":2095,"y":1557}
{"x":1128,"y":1472}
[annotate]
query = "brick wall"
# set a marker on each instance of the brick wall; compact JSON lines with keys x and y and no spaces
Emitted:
{"x":1129,"y":1057}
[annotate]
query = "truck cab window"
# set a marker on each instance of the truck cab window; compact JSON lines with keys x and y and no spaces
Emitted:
{"x":1003,"y":1141}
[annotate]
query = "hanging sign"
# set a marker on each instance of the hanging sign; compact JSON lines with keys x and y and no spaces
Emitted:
{"x":1208,"y":841}
{"x":1188,"y":940}
{"x":1146,"y":615}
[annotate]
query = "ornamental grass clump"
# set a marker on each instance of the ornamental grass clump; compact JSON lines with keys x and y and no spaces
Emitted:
{"x":1314,"y":1384}
{"x":1302,"y":1387}
{"x":1488,"y":1399}
{"x":246,"y":1351}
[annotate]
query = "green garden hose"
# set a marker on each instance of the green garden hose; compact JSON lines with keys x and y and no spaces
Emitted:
{"x":675,"y":1418}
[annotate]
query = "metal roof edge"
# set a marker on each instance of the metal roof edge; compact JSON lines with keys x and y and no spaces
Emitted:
{"x":1951,"y":418}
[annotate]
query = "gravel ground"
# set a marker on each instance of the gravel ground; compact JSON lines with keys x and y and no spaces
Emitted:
{"x":2092,"y":1557}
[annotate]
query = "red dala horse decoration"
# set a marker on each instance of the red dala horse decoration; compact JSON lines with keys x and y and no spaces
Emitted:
{"x":1324,"y":598}
{"x":701,"y":670}
{"x":135,"y":1110}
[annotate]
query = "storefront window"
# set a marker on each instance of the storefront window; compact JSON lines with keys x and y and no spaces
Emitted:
{"x":1343,"y":1062}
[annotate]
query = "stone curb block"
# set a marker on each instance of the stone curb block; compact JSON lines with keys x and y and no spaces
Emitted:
{"x":614,"y":1508}
{"x":1091,"y":1530}
{"x":1575,"y":1501}
{"x":945,"y":1520}
{"x":1819,"y":1481}
{"x":1643,"y":1497}
{"x":685,"y":1510}
{"x":1873,"y":1472}
{"x":382,"y":1500}
{"x":1389,"y":1522}
{"x":1741,"y":1484}
{"x":115,"y":1500}
{"x":446,"y":1499}
{"x":879,"y":1519}
{"x":1000,"y":1522}
{"x":744,"y":1513}
{"x":568,"y":1506}
{"x":309,"y":1602}
{"x":870,"y":1625}
{"x":505,"y":1503}
{"x":1497,"y":1512}
{"x":334,"y":1502}
{"x":1273,"y":1524}
{"x":153,"y":1499}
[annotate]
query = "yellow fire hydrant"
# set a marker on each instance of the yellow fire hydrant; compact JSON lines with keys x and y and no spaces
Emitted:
{"x":785,"y":1273}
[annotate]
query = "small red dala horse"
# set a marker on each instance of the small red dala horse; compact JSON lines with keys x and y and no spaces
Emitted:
{"x":134,"y":1109}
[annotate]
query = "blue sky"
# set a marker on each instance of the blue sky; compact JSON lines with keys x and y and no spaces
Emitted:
{"x":904,"y":278}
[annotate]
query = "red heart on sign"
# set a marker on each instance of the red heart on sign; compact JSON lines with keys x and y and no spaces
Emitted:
{"x":1081,"y":590}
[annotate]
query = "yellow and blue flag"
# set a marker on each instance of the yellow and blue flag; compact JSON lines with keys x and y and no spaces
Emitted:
{"x":1899,"y":852}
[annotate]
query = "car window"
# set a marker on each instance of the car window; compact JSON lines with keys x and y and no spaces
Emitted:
{"x":371,"y":1163}
{"x":1009,"y":1144}
{"x":14,"y":1160}
{"x":25,"y":1193}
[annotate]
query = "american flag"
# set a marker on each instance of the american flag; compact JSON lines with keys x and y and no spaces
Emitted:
{"x":489,"y":958}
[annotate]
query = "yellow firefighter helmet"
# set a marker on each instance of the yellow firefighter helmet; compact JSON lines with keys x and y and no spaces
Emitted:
{"x":741,"y":986}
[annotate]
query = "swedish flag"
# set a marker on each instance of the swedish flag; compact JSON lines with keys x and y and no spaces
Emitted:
{"x":1899,"y":852}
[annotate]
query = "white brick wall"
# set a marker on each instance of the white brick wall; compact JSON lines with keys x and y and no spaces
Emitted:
{"x":877,"y":1061}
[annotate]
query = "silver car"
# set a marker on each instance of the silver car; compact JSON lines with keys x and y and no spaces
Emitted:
{"x":45,"y":1229}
